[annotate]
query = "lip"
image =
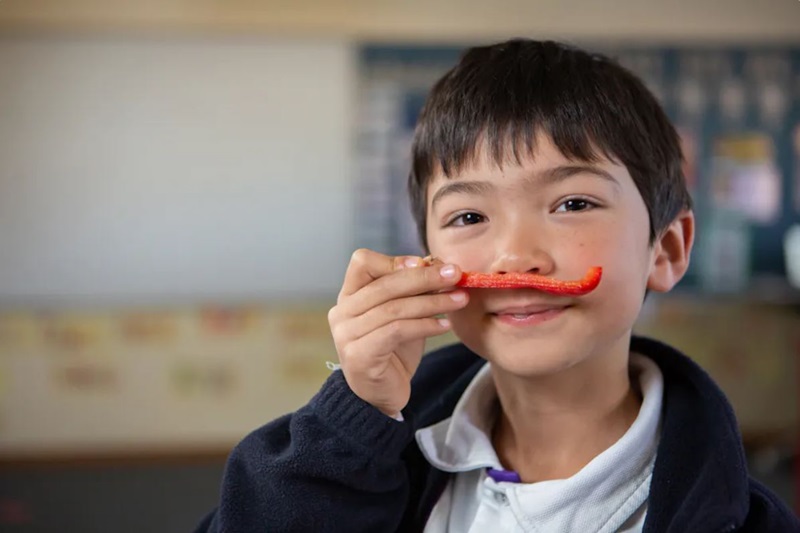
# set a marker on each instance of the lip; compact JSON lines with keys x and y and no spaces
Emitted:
{"x":529,"y":315}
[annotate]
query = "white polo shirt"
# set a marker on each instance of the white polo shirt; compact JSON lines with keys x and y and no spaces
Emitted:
{"x":608,"y":495}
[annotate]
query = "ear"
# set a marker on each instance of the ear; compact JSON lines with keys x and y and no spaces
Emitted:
{"x":671,"y":253}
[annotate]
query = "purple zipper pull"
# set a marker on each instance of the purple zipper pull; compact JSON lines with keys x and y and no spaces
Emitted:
{"x":508,"y":476}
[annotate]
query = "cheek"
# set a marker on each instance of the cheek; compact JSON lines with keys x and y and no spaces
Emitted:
{"x":624,"y":254}
{"x":466,"y":256}
{"x":622,"y":247}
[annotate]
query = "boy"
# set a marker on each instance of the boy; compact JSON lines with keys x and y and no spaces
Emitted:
{"x":529,"y":157}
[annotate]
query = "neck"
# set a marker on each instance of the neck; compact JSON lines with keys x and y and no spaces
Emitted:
{"x":550,"y":427}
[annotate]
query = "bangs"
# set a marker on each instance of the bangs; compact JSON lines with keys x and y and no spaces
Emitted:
{"x":501,"y":104}
{"x":500,"y":99}
{"x":505,"y":144}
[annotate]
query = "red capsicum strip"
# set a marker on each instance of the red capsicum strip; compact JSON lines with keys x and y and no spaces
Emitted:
{"x":480,"y":280}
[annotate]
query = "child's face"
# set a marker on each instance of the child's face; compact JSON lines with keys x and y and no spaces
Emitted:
{"x":555,"y":217}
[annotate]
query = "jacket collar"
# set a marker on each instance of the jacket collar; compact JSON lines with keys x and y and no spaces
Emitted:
{"x":700,"y":480}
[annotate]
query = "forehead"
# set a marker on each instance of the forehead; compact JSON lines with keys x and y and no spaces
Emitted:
{"x":485,"y":164}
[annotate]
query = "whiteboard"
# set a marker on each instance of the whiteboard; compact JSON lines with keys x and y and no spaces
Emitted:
{"x":143,"y":185}
{"x":158,"y":171}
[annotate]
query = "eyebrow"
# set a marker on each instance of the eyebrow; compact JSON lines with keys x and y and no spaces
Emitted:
{"x":475,"y":188}
{"x":548,"y":176}
{"x":562,"y":172}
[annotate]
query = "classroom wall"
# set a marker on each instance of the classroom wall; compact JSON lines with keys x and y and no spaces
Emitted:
{"x":152,"y":174}
{"x":176,"y":212}
{"x":163,"y":171}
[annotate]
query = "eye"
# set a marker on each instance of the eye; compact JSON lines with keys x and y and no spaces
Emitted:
{"x":466,"y":219}
{"x":575,"y":204}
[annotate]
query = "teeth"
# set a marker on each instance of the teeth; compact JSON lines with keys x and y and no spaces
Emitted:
{"x":520,"y":317}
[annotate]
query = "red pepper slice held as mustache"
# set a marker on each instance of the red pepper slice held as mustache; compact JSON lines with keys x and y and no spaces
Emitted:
{"x":480,"y":280}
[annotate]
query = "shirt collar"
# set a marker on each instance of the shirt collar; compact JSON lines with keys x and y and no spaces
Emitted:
{"x":463,"y":441}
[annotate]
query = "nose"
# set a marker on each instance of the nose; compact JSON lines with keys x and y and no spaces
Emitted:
{"x":522,"y":249}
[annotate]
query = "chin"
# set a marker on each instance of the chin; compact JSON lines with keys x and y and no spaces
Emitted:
{"x":526,"y":357}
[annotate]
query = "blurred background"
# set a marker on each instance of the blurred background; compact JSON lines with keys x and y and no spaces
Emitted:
{"x":182,"y":184}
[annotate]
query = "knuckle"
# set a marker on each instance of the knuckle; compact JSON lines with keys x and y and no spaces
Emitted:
{"x":360,"y":257}
{"x":374,"y":374}
{"x":394,"y":331}
{"x":432,"y":276}
{"x":333,"y":315}
{"x":337,"y":334}
{"x":346,"y":352}
{"x":393,"y":308}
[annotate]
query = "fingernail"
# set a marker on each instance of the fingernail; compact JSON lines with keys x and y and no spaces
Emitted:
{"x":411,"y":262}
{"x":458,"y":296}
{"x":444,"y":322}
{"x":448,"y":271}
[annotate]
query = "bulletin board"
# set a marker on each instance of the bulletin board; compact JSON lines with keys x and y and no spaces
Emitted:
{"x":737,"y":111}
{"x":738,"y":114}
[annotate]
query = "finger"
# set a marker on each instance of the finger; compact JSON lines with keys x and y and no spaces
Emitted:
{"x":367,"y":265}
{"x":431,"y":260}
{"x":361,"y":354}
{"x":413,"y":307}
{"x":435,"y":261}
{"x":401,"y":284}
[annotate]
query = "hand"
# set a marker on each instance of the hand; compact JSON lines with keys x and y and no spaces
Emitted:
{"x":386,"y":309}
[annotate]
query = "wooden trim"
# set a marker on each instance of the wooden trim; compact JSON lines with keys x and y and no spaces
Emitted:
{"x":416,"y":20}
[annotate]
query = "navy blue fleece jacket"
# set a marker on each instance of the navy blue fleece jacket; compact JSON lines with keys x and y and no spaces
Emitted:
{"x":338,"y":464}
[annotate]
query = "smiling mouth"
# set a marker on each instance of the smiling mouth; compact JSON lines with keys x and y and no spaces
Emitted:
{"x":528,"y":317}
